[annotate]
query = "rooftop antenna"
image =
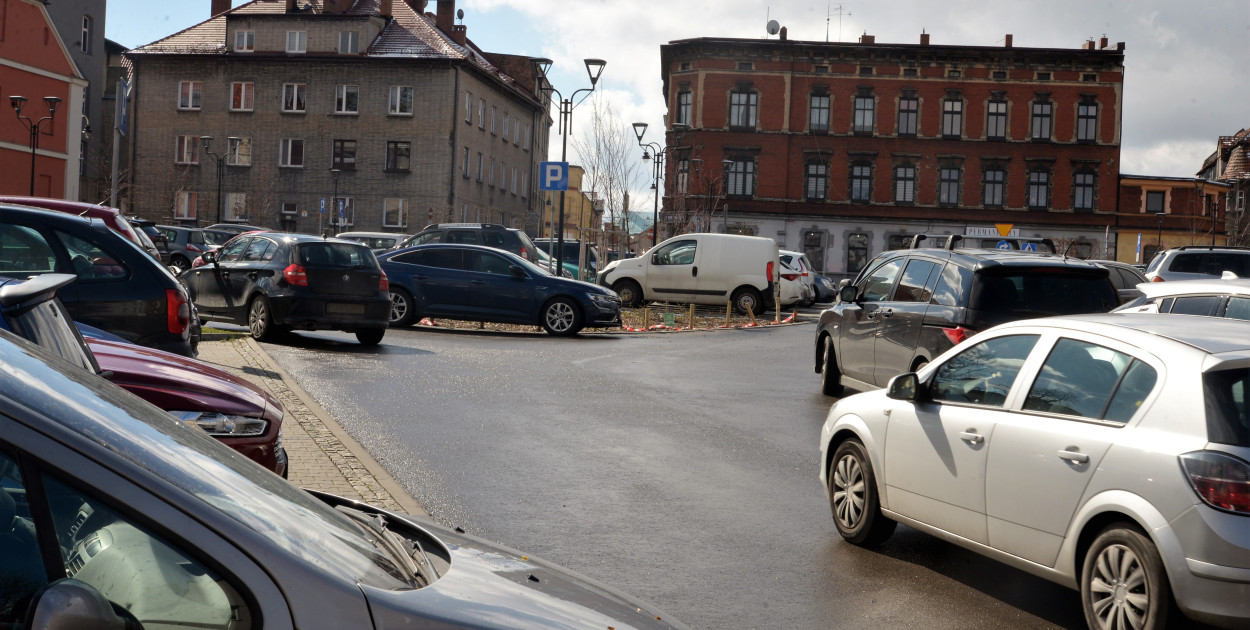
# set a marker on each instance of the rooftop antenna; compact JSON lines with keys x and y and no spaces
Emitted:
{"x":841,"y":11}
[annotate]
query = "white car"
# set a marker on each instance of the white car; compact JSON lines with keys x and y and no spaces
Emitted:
{"x":791,"y":288}
{"x":1213,"y":298}
{"x":1109,"y":453}
{"x":807,"y":275}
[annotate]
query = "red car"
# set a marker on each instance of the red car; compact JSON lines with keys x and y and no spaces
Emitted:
{"x":240,"y":414}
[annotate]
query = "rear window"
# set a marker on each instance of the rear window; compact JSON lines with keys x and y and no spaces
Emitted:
{"x":1034,"y":293}
{"x":1186,"y":263}
{"x":1228,"y":418}
{"x":336,"y":255}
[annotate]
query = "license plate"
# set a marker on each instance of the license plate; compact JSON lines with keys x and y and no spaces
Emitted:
{"x":345,"y":309}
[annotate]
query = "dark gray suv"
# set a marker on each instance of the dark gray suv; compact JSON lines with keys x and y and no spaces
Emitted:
{"x":908,"y":306}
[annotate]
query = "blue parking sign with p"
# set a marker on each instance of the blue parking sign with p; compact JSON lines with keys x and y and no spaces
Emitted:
{"x":553,"y":175}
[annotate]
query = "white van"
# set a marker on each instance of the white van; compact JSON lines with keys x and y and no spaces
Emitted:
{"x":699,"y":269}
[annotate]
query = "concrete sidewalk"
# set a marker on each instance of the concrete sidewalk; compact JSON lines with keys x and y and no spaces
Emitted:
{"x":321,"y":455}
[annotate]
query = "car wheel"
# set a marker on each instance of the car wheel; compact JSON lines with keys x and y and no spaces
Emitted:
{"x":370,"y":336}
{"x":630,"y":292}
{"x":747,"y":298}
{"x":1123,"y":584}
{"x":180,"y":263}
{"x":402,"y":308}
{"x":853,"y":497}
{"x":830,"y":377}
{"x":260,"y":320}
{"x":561,"y":317}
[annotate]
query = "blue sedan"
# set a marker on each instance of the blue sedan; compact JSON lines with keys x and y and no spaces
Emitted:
{"x":476,"y":283}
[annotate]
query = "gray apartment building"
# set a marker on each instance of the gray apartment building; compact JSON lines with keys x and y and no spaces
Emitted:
{"x":317,"y":115}
{"x":80,"y":24}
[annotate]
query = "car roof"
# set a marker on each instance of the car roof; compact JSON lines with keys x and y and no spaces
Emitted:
{"x":977,"y":258}
{"x":1212,"y":335}
{"x":60,"y":205}
{"x":1235,"y":286}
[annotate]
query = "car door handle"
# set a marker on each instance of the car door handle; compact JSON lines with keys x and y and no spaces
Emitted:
{"x":971,"y":437}
{"x":1074,"y":457}
{"x":694,"y":272}
{"x":887,"y":312}
{"x":422,"y":277}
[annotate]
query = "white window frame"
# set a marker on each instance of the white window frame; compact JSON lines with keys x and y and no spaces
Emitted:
{"x":468,"y":107}
{"x":396,"y":100}
{"x":467,"y":156}
{"x":297,"y":42}
{"x":285,"y":146}
{"x":392,"y":205}
{"x":514,"y":179}
{"x":481,"y":113}
{"x":507,"y":123}
{"x":494,"y":120}
{"x":236,"y":201}
{"x":349,"y":211}
{"x":247,"y":97}
{"x":85,"y":44}
{"x":186,"y":202}
{"x":490,"y":179}
{"x":238,"y":151}
{"x":340,"y":99}
{"x":244,"y":41}
{"x":525,"y":191}
{"x":480,"y":163}
{"x":190,"y":94}
{"x":300,"y":93}
{"x":349,"y":42}
{"x":187,"y":150}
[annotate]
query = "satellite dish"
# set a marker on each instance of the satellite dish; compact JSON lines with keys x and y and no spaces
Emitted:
{"x":460,"y":14}
{"x":773,"y":27}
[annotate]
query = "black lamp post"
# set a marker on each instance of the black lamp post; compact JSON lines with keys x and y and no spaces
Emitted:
{"x":594,"y":68}
{"x":205,"y":143}
{"x":35,"y":127}
{"x":640,"y":128}
{"x":1159,"y":239}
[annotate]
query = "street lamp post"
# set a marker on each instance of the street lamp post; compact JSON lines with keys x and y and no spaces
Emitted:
{"x":336,"y":206}
{"x":640,"y":128}
{"x":35,"y":127}
{"x":1159,"y":239}
{"x":594,"y":68}
{"x":206,"y":142}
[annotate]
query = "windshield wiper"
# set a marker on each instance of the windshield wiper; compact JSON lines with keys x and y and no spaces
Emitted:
{"x":409,"y":553}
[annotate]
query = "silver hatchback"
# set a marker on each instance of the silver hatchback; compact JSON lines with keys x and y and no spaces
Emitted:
{"x":1109,"y":453}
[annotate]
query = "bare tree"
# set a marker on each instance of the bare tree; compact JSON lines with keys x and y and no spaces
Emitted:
{"x":607,"y":157}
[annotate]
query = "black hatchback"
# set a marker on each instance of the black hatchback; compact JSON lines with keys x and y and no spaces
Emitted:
{"x":277,"y":282}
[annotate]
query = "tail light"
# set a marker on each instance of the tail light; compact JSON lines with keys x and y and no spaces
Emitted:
{"x":769,"y":270}
{"x":1157,"y":279}
{"x":1221,"y":480}
{"x":194,"y":248}
{"x":958,"y":334}
{"x":384,"y":283}
{"x":295,"y":275}
{"x":177,"y":311}
{"x":525,"y":253}
{"x":790,"y":276}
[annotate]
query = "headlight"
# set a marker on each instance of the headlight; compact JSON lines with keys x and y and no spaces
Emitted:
{"x":602,"y":299}
{"x":222,"y":425}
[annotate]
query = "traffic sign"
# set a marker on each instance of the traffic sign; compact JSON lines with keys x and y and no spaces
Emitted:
{"x":1003,"y":245}
{"x":1004,"y":229}
{"x":323,"y":205}
{"x":1028,"y":246}
{"x":553,"y":176}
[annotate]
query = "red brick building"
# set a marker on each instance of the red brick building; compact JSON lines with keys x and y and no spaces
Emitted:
{"x":845,"y":149}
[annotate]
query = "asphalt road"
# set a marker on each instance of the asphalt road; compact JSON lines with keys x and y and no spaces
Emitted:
{"x":680,"y":468}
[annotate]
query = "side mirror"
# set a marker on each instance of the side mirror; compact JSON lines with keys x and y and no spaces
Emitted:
{"x":847,"y":293}
{"x":655,"y":258}
{"x":209,"y":258}
{"x":905,"y":386}
{"x":68,"y":604}
{"x":516,"y":272}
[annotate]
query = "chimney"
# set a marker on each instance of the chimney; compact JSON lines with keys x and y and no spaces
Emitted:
{"x":783,"y":33}
{"x":924,"y":38}
{"x":386,"y":9}
{"x":1007,"y":43}
{"x":867,"y":39}
{"x":220,"y":6}
{"x":1088,"y":45}
{"x":290,"y":6}
{"x":446,"y":16}
{"x":459,"y":34}
{"x":1102,"y":43}
{"x":417,"y":5}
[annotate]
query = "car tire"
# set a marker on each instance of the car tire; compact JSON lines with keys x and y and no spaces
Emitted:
{"x":370,"y":336}
{"x":853,"y":497}
{"x":403,"y":309}
{"x":1123,"y":576}
{"x":561,"y":317}
{"x":630,"y":292}
{"x":830,"y":377}
{"x":180,"y":263}
{"x":745,"y":298}
{"x":260,"y":319}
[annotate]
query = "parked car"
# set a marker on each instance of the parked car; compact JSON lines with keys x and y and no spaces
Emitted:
{"x":240,"y":414}
{"x":236,"y":228}
{"x":572,"y":256}
{"x":792,"y":290}
{"x":908,"y":306}
{"x":120,"y":288}
{"x":274,"y":283}
{"x":702,"y":268}
{"x":185,"y":245}
{"x":1105,"y":452}
{"x":377,"y":241}
{"x":117,"y":516}
{"x":807,"y":275}
{"x":1198,"y":262}
{"x":475,"y":283}
{"x":112,"y":217}
{"x":488,"y":234}
{"x":1124,"y":277}
{"x":158,"y":239}
{"x":1211,"y":298}
{"x":826,"y":289}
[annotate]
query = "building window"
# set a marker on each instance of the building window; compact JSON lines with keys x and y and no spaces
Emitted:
{"x":1042,"y":111}
{"x":516,"y":131}
{"x":394,"y":212}
{"x":861,"y":181}
{"x":1083,"y":191}
{"x":954,"y":74}
{"x":818,"y":113}
{"x":189,"y":94}
{"x":682,"y":182}
{"x":905,"y":184}
{"x":898,"y":241}
{"x":244,"y":41}
{"x":480,"y":165}
{"x":289,"y":207}
{"x":507,"y":122}
{"x":494,"y":120}
{"x":745,"y":65}
{"x":526,"y":146}
{"x":865,"y":70}
{"x":398,"y":154}
{"x":525,"y":178}
{"x":821,"y":69}
{"x":343,"y":211}
{"x":349,"y":42}
{"x":293,"y":97}
{"x":187,"y":150}
{"x":685,"y":65}
{"x":948,"y":185}
{"x":185,"y":204}
{"x":347,"y":99}
{"x":467,"y":155}
{"x":1087,"y":121}
{"x":239,"y":151}
{"x":1089,"y":77}
{"x":999,"y":74}
{"x":1043,"y":76}
{"x":908,"y":112}
{"x":297,"y":41}
{"x":864,"y":110}
{"x":817,"y":181}
{"x":952,"y":118}
{"x":468,"y":107}
{"x":241,"y":96}
{"x":741,"y":178}
{"x":992,"y":181}
{"x":344,"y":157}
{"x":683,"y":108}
{"x":1039,"y":189}
{"x":236,"y":206}
{"x":856,"y":252}
{"x":996,"y":119}
{"x":481,"y":114}
{"x":401,"y":100}
{"x":742,"y":107}
{"x":910,"y":72}
{"x":514,"y":178}
{"x":85,"y":44}
{"x":291,"y":152}
{"x":1156,"y":201}
{"x":490,"y":177}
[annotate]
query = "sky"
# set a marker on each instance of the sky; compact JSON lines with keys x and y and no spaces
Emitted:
{"x":1185,"y":61}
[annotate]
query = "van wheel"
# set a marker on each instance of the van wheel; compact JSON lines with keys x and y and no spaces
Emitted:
{"x":1123,"y":584}
{"x":747,"y":298}
{"x":630,"y":292}
{"x":830,"y":378}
